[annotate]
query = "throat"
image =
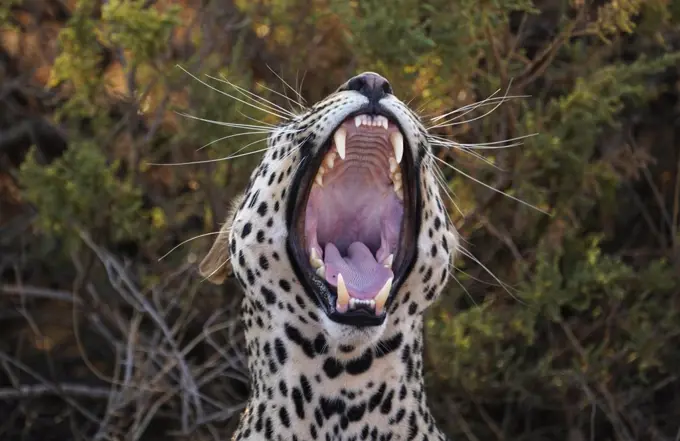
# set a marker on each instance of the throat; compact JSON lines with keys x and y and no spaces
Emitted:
{"x":303,"y":390}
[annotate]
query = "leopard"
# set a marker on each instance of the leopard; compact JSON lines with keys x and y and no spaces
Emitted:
{"x":341,"y":241}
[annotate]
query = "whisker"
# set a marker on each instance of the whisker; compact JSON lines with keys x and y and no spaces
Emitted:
{"x":445,"y":123}
{"x":473,"y":154}
{"x":207,"y":161}
{"x":229,"y":95}
{"x":187,"y":241}
{"x":285,"y":83}
{"x":460,"y":109}
{"x":476,"y":105}
{"x":476,"y":279}
{"x":453,"y":276}
{"x":286,"y":97}
{"x":253,"y":96}
{"x":226,"y":124}
{"x":441,"y":179}
{"x":491,"y":145}
{"x":487,"y":185}
{"x":229,"y":136}
{"x":222,"y":265}
{"x":503,"y":285}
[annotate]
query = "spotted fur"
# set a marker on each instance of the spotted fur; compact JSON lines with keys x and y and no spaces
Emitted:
{"x":312,"y":378}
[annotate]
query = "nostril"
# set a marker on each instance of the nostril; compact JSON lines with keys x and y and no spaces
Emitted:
{"x":369,"y":84}
{"x":357,"y":84}
{"x":386,"y":87}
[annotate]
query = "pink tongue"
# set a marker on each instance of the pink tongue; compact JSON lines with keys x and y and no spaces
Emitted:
{"x":362,"y":274}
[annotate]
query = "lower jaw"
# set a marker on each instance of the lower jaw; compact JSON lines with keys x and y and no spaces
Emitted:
{"x":359,"y":319}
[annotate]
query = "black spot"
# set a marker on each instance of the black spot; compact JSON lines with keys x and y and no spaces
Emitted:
{"x":376,"y":398}
{"x":412,"y":427}
{"x":331,"y":407}
{"x":297,"y":338}
{"x":346,"y":348}
{"x":427,"y":276}
{"x":355,"y":413}
{"x":262,"y":209}
{"x":320,"y":345}
{"x":412,"y":308}
{"x":260,"y":236}
{"x":398,"y":417}
{"x":332,"y":367}
{"x":247,"y":228}
{"x":285,"y":285}
{"x":361,"y":364}
{"x":386,"y":406}
{"x":284,"y":417}
{"x":283,"y":388}
{"x":390,"y":345}
{"x":299,"y":405}
{"x":264,"y":263}
{"x":280,"y":349}
{"x":268,"y":294}
{"x":306,"y":388}
{"x":269,"y":429}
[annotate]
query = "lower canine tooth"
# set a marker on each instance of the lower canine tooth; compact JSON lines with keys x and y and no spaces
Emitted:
{"x":381,"y":298}
{"x":343,"y":295}
{"x":387,"y":263}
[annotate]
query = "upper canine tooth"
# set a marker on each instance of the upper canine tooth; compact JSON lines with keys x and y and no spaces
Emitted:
{"x":339,"y":138}
{"x":381,"y":298}
{"x":397,"y":140}
{"x":343,"y":295}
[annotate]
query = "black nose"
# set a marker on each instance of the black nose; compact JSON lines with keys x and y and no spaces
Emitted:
{"x":369,"y":84}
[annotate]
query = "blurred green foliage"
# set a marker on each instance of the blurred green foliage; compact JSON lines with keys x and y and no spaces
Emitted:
{"x":563,"y":325}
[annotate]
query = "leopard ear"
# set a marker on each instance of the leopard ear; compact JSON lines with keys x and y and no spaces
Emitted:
{"x":216,"y":265}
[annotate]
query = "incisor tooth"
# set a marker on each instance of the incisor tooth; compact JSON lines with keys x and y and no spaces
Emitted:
{"x":339,"y":138}
{"x":343,"y":295}
{"x":397,"y":140}
{"x":397,"y":185}
{"x":381,"y":298}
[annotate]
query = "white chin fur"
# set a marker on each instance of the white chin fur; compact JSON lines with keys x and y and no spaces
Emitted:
{"x":340,"y":334}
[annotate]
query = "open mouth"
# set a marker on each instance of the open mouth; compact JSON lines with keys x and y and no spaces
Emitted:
{"x":354,"y":219}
